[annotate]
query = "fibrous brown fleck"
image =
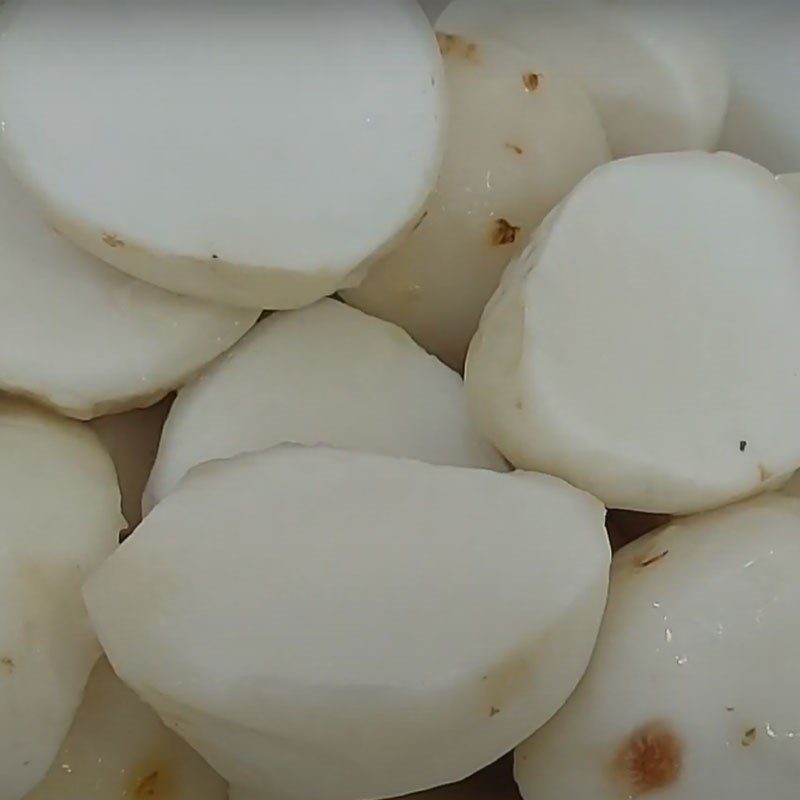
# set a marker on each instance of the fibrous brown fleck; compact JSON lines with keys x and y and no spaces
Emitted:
{"x":147,"y":786}
{"x":515,"y":148}
{"x":420,"y":221}
{"x":649,"y":760}
{"x":503,"y":232}
{"x":112,"y":240}
{"x":531,"y":80}
{"x":749,"y":737}
{"x":647,"y":562}
{"x":8,"y":665}
{"x":450,"y":44}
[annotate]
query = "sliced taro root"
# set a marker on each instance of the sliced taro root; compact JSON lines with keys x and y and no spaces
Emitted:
{"x":253,"y":154}
{"x":437,"y":615}
{"x":641,"y":347}
{"x":327,"y":374}
{"x":118,"y":748}
{"x":60,"y":520}
{"x":689,"y":693}
{"x":517,"y":142}
{"x":659,"y":81}
{"x":85,"y":339}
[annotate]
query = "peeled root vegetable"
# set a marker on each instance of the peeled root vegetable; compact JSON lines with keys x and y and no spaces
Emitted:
{"x":690,"y":693}
{"x":85,"y":339}
{"x":658,"y":81}
{"x":60,"y":520}
{"x":254,"y":154}
{"x":354,"y":625}
{"x":642,"y":347}
{"x":503,"y":171}
{"x":327,"y":374}
{"x":132,"y":440}
{"x":118,"y":748}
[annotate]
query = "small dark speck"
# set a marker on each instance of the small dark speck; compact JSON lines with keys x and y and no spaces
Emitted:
{"x":649,"y":561}
{"x":25,"y":763}
{"x":485,"y":678}
{"x":730,"y":708}
{"x":749,"y":737}
{"x":742,"y":446}
{"x":494,"y":711}
{"x":214,"y":256}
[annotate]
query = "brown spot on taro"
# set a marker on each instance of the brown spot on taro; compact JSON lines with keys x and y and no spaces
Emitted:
{"x":749,"y":737}
{"x":649,"y":760}
{"x":650,"y":560}
{"x":420,"y":221}
{"x":450,"y":44}
{"x":531,"y":81}
{"x":503,"y":232}
{"x":494,"y":711}
{"x":150,"y":782}
{"x":8,"y":665}
{"x":112,"y":240}
{"x":515,"y":148}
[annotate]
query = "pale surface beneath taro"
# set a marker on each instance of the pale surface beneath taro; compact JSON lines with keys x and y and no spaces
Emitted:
{"x":654,"y":367}
{"x":659,"y":82}
{"x":504,"y":169}
{"x":82,"y":337}
{"x":118,"y":749}
{"x":61,"y":519}
{"x":327,"y":374}
{"x":254,"y":154}
{"x":690,"y":693}
{"x":437,"y":615}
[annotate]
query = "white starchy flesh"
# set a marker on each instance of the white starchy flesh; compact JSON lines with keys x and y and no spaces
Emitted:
{"x":118,"y":748}
{"x":60,"y":520}
{"x":658,"y":81}
{"x":85,"y":339}
{"x":132,"y":440}
{"x":255,"y":154}
{"x":792,"y":181}
{"x":503,"y":171}
{"x":691,"y":690}
{"x":330,"y":375}
{"x":641,"y":347}
{"x":332,"y":624}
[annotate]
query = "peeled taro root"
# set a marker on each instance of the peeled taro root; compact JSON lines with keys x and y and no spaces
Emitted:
{"x":118,"y":748}
{"x":332,"y":624}
{"x":253,"y":154}
{"x":641,"y":348}
{"x":659,"y":82}
{"x":60,"y":520}
{"x":85,"y":339}
{"x":132,"y":440}
{"x":503,"y":171}
{"x":690,"y":693}
{"x":327,"y":374}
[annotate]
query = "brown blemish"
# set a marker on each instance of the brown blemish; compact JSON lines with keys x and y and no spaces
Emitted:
{"x":649,"y":760}
{"x":764,"y":474}
{"x":8,"y":665}
{"x":647,"y":562}
{"x":749,"y":737}
{"x":420,"y":221}
{"x":515,"y":148}
{"x":112,"y":240}
{"x":450,"y":44}
{"x":503,"y":232}
{"x":531,"y":81}
{"x":505,"y":681}
{"x":149,"y":782}
{"x":494,"y":711}
{"x":518,"y":405}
